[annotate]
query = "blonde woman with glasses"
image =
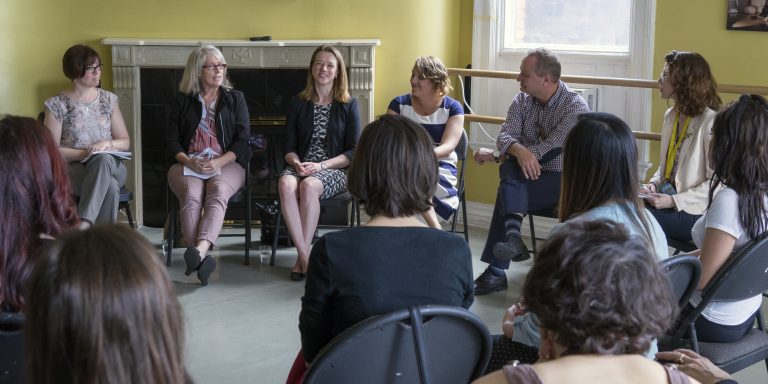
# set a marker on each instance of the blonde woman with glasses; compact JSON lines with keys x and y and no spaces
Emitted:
{"x":208,"y":139}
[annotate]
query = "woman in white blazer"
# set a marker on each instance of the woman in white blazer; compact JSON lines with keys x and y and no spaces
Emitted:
{"x":677,"y":194}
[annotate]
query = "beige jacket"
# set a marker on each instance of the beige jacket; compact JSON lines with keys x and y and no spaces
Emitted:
{"x":693,"y":170}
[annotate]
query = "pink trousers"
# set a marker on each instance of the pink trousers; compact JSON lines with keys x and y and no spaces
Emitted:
{"x":203,"y":203}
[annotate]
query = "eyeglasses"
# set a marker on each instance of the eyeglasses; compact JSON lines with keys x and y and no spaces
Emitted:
{"x":93,"y":68}
{"x":212,"y":67}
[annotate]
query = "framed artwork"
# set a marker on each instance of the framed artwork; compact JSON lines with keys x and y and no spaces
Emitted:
{"x":747,"y":15}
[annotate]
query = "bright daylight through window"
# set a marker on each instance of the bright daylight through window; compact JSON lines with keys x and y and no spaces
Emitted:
{"x":578,"y":26}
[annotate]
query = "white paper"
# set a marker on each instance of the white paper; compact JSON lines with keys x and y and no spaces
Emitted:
{"x":207,"y":154}
{"x":119,"y":154}
{"x":205,"y":176}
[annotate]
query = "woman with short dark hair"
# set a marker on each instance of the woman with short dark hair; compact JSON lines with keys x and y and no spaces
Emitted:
{"x":101,"y":309}
{"x":394,"y":175}
{"x":86,"y":123}
{"x":600,"y":297}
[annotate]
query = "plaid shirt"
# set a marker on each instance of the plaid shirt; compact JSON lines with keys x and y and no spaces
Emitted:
{"x":541,"y":128}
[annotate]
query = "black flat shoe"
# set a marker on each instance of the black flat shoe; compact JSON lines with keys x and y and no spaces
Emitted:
{"x":205,"y":269}
{"x":512,"y":249}
{"x":192,"y":258}
{"x":487,"y":283}
{"x":297,"y":276}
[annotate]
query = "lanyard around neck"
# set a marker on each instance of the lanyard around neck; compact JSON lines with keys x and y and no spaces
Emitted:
{"x":674,"y":145}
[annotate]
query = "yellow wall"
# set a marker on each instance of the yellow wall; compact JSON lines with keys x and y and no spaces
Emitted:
{"x":35,"y":33}
{"x":736,"y":57}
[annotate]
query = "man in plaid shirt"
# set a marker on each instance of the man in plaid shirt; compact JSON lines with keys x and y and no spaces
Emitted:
{"x":530,"y":150}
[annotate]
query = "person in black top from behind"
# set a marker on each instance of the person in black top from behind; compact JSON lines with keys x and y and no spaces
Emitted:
{"x":380,"y":267}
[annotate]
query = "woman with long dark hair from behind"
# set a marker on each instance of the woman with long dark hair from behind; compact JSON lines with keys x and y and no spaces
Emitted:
{"x":35,"y":201}
{"x":677,"y":192}
{"x":737,"y":214}
{"x":101,"y":309}
{"x":599,"y":182}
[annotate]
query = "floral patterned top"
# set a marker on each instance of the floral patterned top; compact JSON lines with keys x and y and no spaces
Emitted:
{"x":83,"y":123}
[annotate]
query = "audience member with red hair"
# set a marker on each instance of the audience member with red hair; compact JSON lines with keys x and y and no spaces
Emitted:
{"x":35,"y":201}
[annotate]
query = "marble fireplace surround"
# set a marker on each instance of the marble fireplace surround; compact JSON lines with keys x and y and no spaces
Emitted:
{"x":129,"y":55}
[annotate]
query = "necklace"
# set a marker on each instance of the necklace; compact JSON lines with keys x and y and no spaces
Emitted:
{"x":425,"y":110}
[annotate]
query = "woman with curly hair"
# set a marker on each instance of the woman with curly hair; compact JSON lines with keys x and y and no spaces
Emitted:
{"x":677,"y":192}
{"x":600,"y":298}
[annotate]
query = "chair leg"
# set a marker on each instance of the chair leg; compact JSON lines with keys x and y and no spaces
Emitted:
{"x":278,"y":220}
{"x":352,"y":214}
{"x":127,"y":207}
{"x":464,"y":216}
{"x":694,"y":339}
{"x":172,"y":212}
{"x":533,"y":235}
{"x":247,"y":228}
{"x":357,"y":212}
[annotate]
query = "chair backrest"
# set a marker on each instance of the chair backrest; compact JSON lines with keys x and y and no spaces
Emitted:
{"x":461,"y":147}
{"x":684,"y":272}
{"x":744,"y":275}
{"x":11,"y":348}
{"x":422,"y":344}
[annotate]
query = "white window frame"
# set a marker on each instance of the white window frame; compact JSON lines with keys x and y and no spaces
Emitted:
{"x":493,"y":96}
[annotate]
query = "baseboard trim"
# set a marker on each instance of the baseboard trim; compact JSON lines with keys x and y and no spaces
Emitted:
{"x":479,"y":216}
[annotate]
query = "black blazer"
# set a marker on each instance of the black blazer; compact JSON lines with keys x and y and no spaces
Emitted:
{"x":343,"y":128}
{"x":232,"y":123}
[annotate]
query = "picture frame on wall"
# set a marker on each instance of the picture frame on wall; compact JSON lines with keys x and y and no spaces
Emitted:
{"x":747,"y":15}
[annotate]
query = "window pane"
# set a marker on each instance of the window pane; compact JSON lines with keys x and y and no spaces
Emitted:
{"x":586,"y":25}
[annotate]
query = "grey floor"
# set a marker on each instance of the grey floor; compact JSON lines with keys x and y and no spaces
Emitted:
{"x":243,"y":327}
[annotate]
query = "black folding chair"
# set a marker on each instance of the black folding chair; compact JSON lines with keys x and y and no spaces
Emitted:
{"x":421,"y":344}
{"x":744,"y":275}
{"x":11,"y":348}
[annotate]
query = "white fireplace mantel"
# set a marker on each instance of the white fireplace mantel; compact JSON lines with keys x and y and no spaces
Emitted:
{"x":129,"y":55}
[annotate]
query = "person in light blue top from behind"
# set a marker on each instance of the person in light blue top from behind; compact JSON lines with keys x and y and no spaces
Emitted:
{"x":600,"y":182}
{"x":600,"y":178}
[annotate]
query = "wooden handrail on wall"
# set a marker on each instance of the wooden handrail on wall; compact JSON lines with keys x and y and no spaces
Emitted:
{"x":614,"y":81}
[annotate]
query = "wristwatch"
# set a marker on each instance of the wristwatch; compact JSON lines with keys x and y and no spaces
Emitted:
{"x":496,"y":155}
{"x":323,"y":166}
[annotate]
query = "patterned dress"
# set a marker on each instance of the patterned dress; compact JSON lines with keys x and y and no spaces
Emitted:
{"x":84,"y":123}
{"x":334,"y":180}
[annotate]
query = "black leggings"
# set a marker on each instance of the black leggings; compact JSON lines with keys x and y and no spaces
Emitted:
{"x":676,"y":224}
{"x":710,"y":332}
